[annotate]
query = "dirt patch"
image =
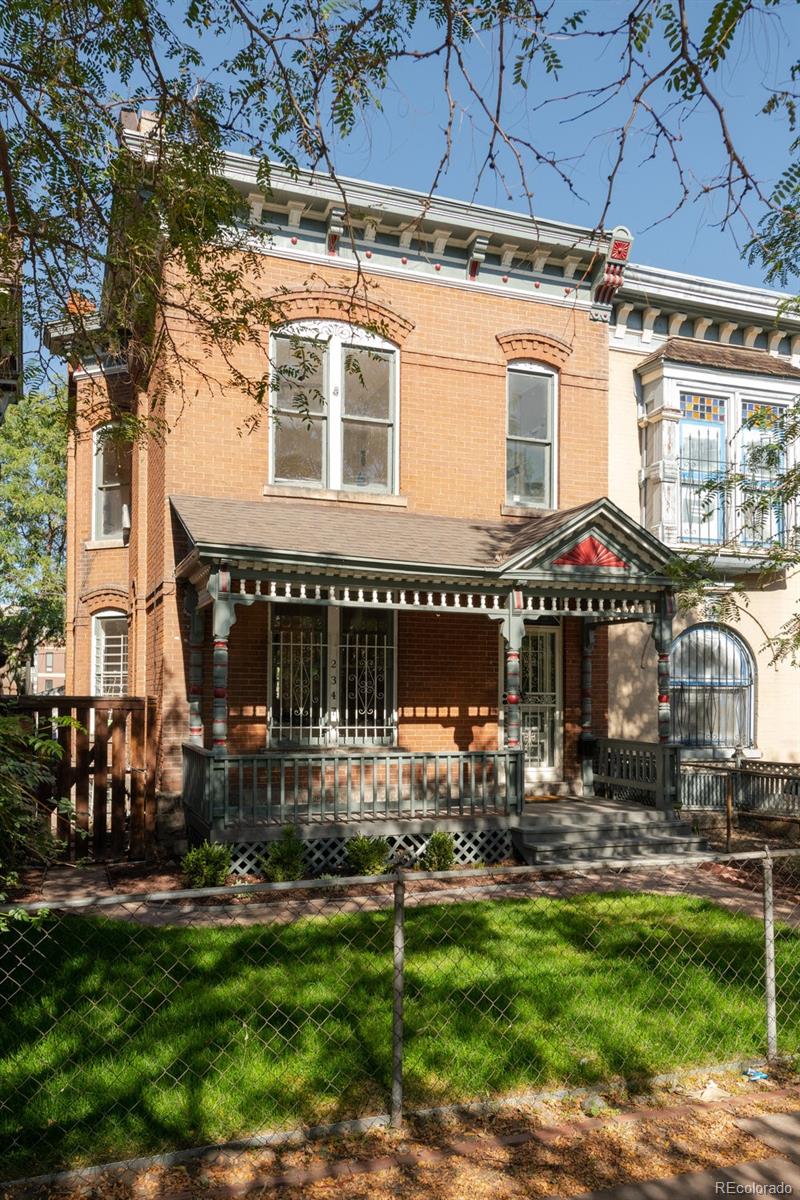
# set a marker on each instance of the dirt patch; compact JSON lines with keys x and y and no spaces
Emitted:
{"x":541,"y":1150}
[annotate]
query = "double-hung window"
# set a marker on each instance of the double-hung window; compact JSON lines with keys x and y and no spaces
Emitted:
{"x":332,"y":676}
{"x":334,"y":404}
{"x":530,"y":436}
{"x":112,"y":485}
{"x":703,"y":457}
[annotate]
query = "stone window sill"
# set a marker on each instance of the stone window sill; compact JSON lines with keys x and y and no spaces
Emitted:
{"x":106,"y":544}
{"x":288,"y":492}
{"x":524,"y":510}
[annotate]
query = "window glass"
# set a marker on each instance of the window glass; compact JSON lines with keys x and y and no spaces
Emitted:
{"x":529,"y":442}
{"x":528,"y":472}
{"x":112,"y":487}
{"x":712,"y":682}
{"x":529,"y":405}
{"x":111,"y":656}
{"x":299,"y":449}
{"x":367,"y":383}
{"x":365,"y":455}
{"x":300,"y":371}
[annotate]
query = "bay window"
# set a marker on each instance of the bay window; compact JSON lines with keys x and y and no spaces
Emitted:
{"x":332,"y":676}
{"x":530,"y":435}
{"x":334,"y":401}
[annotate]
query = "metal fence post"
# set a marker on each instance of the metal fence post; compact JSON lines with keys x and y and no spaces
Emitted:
{"x":769,"y":960}
{"x":396,"y":1116}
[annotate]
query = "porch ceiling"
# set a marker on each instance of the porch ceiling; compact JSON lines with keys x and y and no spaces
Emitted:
{"x":288,"y":535}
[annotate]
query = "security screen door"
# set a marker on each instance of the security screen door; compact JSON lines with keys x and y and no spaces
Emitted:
{"x":540,"y":710}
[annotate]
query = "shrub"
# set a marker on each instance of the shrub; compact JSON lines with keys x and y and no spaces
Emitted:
{"x":207,"y":865}
{"x":285,"y":859}
{"x":27,"y":759}
{"x":367,"y":855}
{"x":440,"y":854}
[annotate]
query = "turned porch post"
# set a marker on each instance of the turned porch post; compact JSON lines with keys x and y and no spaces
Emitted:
{"x":662,"y":636}
{"x":224,"y":617}
{"x":513,"y":633}
{"x":196,"y":639}
{"x":586,"y":740}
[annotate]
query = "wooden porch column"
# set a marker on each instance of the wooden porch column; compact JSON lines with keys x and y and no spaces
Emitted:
{"x":224,"y":617}
{"x":586,"y":740}
{"x":662,"y":636}
{"x":196,"y":632}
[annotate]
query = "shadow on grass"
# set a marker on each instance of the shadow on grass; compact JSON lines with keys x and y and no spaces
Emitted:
{"x":119,"y":1039}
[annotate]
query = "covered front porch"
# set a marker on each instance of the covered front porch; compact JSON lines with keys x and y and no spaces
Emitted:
{"x":410,"y":669}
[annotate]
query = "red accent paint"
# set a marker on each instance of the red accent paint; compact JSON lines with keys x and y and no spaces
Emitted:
{"x":620,"y":251}
{"x":664,"y":698}
{"x":404,"y":261}
{"x":505,"y":279}
{"x":567,"y":291}
{"x":437,"y":266}
{"x":220,"y":693}
{"x":589,"y":552}
{"x":512,"y":698}
{"x":294,"y":241}
{"x":536,"y":283}
{"x":368,"y":253}
{"x":473,"y":269}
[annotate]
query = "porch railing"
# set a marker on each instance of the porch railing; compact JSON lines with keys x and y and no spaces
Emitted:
{"x":297,"y":787}
{"x":757,"y":787}
{"x":645,"y":772}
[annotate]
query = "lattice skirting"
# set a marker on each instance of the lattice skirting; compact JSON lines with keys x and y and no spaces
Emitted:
{"x":327,"y":855}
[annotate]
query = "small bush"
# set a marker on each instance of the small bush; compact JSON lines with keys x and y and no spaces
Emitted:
{"x":207,"y":865}
{"x":440,"y":853}
{"x":285,"y":859}
{"x":367,"y":855}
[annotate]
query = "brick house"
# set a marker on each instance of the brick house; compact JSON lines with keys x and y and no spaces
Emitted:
{"x":400,"y":608}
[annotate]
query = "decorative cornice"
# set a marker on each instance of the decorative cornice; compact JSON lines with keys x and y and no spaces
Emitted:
{"x":693,"y":296}
{"x":532,"y":343}
{"x":335,"y":305}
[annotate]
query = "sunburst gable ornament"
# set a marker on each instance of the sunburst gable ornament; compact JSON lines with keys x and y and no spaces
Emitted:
{"x":590,"y":552}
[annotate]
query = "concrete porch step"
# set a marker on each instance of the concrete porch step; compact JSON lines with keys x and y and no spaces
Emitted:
{"x":575,"y":815}
{"x":581,"y":834}
{"x":599,"y":850}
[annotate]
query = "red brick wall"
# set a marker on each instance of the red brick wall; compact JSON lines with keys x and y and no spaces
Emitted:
{"x":452,"y":452}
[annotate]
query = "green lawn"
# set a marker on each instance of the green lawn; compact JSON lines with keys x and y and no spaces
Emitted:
{"x":122,"y":1040}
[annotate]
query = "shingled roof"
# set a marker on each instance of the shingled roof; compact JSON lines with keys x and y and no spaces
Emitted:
{"x":722,"y":356}
{"x":386,"y":539}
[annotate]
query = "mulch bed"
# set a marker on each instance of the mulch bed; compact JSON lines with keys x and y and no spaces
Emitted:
{"x":542,"y":1150}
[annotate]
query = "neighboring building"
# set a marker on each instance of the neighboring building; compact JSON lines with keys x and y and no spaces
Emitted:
{"x":484,"y":486}
{"x":48,"y":670}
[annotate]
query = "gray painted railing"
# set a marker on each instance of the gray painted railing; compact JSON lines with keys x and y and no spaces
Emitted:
{"x":758,"y":787}
{"x":645,"y":772}
{"x":296,"y":787}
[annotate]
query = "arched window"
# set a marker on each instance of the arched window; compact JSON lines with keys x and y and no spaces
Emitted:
{"x":530,"y":435}
{"x":713,"y":681}
{"x":334,"y":400}
{"x":110,"y":653}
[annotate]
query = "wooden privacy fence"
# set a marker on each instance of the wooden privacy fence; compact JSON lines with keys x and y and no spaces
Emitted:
{"x":106,"y":772}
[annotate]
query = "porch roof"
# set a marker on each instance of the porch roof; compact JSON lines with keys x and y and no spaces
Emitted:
{"x":334,"y":536}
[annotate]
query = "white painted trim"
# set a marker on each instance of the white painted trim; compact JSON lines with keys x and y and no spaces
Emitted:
{"x":555,"y":773}
{"x":536,"y":368}
{"x":93,"y":664}
{"x":337,"y":335}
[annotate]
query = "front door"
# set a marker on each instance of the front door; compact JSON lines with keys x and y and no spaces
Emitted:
{"x":540,"y":710}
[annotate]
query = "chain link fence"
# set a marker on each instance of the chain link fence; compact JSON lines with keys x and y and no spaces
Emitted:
{"x":145,"y":1025}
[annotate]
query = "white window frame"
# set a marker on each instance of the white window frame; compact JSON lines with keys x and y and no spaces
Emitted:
{"x":117,"y":614}
{"x":333,"y":686}
{"x":662,"y":388}
{"x":534,"y":368}
{"x":113,"y":539}
{"x":338,"y":337}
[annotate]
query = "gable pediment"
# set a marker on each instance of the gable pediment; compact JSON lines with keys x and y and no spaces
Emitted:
{"x":599,"y":541}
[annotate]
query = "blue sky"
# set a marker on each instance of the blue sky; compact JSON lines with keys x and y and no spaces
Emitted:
{"x":402,"y":144}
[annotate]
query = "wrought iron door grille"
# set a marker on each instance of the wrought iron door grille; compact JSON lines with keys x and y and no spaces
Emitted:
{"x":367,"y":706}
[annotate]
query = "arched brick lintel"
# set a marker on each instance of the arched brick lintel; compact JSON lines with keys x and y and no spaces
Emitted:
{"x":532,"y":343}
{"x":108,"y":596}
{"x":341,"y":306}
